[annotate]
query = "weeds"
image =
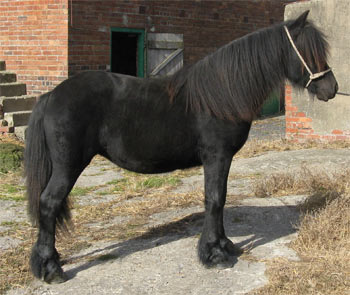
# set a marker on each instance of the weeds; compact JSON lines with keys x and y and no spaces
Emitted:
{"x":11,"y":157}
{"x":323,"y":241}
{"x":305,"y":181}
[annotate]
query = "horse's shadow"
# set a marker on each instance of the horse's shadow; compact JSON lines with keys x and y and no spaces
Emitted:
{"x":247,"y":226}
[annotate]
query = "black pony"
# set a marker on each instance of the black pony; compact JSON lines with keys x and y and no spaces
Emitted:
{"x":199,"y":116}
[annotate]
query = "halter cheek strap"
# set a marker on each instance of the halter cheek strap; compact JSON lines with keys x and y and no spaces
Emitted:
{"x":312,"y":76}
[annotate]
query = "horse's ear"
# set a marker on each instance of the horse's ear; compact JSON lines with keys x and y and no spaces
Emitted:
{"x":299,"y":23}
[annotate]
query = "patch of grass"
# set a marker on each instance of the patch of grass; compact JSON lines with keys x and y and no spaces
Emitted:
{"x":103,"y":193}
{"x":11,"y":157}
{"x":119,"y":185}
{"x":15,"y":198}
{"x":81,"y":191}
{"x":137,"y":183}
{"x":157,"y":181}
{"x":8,"y":223}
{"x":12,"y":192}
{"x":10,"y":189}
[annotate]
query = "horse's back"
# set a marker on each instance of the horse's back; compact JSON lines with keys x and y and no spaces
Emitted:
{"x":129,"y":120}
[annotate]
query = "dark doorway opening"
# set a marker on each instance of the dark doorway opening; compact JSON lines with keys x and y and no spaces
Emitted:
{"x":124,"y":53}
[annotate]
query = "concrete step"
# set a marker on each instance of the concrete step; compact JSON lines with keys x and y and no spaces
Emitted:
{"x":20,"y":132}
{"x":13,"y":89}
{"x":2,"y":65}
{"x":15,"y":119}
{"x":17,"y":103}
{"x":7,"y":77}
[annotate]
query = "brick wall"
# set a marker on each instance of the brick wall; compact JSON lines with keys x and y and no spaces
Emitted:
{"x":45,"y":41}
{"x":206,"y":25}
{"x":34,"y":41}
{"x":300,"y":125}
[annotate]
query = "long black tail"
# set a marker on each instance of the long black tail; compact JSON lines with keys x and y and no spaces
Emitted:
{"x":37,"y":161}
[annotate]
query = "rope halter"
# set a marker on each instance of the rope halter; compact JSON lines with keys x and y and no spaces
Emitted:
{"x":312,"y":76}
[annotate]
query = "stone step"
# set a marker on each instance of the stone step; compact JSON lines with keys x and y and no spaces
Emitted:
{"x":7,"y":77}
{"x":17,"y":103}
{"x":15,"y":119}
{"x":2,"y":65}
{"x":20,"y":132}
{"x":13,"y":89}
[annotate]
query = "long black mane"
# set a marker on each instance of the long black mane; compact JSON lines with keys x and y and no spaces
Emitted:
{"x":233,"y":82}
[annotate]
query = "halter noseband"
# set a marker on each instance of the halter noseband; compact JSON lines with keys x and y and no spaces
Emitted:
{"x":312,"y":76}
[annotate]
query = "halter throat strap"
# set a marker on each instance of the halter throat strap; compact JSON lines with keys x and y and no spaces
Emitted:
{"x":312,"y":76}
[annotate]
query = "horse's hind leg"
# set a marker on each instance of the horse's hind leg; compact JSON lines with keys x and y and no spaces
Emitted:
{"x":214,"y":247}
{"x":44,"y":260}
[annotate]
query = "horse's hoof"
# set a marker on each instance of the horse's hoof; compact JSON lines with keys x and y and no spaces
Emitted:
{"x":55,"y":278}
{"x":47,"y":269}
{"x":230,"y":247}
{"x":222,"y":254}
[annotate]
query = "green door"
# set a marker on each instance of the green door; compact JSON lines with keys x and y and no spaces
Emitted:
{"x":271,"y":105}
{"x":128,"y":51}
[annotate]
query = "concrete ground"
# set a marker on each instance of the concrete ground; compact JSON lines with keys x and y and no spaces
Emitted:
{"x":268,"y":128}
{"x":167,"y":264}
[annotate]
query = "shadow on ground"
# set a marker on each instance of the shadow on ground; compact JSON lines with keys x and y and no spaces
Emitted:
{"x":249,"y":227}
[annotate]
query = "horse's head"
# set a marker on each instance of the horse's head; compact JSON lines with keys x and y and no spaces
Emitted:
{"x":307,"y":52}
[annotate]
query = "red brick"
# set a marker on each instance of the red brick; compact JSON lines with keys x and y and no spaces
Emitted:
{"x":288,"y":99}
{"x":291,"y":125}
{"x":290,"y":130}
{"x":288,"y":90}
{"x":292,"y":119}
{"x":291,"y":108}
{"x":336,"y":131}
{"x":302,"y":119}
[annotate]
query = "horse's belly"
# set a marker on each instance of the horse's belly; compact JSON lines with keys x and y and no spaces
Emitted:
{"x":157,"y":163}
{"x":151,"y":152}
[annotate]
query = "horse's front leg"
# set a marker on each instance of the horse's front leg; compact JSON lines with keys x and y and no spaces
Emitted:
{"x":214,"y":247}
